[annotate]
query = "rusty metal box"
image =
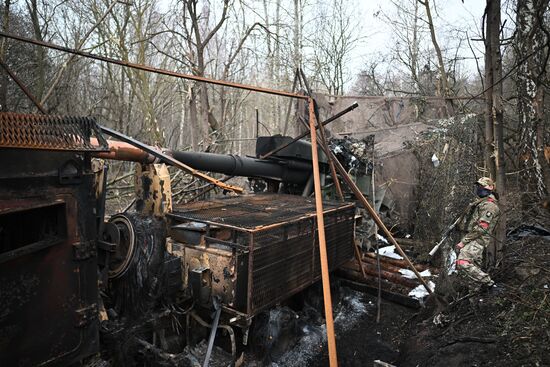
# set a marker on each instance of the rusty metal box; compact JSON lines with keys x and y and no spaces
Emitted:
{"x":261,"y":249}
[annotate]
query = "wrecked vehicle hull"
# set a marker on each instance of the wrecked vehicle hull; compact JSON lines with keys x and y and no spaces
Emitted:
{"x":48,"y":264}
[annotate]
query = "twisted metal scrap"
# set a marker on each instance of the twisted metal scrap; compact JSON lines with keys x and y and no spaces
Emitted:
{"x":50,"y":132}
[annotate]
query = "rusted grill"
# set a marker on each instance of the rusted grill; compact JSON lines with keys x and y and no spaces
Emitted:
{"x":280,"y":232}
{"x":50,"y":132}
{"x":250,"y":212}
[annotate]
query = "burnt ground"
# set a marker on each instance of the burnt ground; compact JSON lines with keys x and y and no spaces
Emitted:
{"x":507,"y":326}
{"x":366,"y":341}
{"x":360,"y":340}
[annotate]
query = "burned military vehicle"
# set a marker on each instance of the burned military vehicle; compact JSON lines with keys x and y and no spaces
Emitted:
{"x":143,"y":287}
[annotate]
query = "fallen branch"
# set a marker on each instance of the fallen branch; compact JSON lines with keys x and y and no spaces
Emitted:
{"x":472,"y":339}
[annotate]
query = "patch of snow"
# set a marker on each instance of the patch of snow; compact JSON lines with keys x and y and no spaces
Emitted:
{"x":411,"y":275}
{"x":451,"y":260}
{"x":420,"y":292}
{"x":389,"y":251}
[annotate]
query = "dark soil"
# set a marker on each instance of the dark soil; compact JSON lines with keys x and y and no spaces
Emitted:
{"x":367,"y":341}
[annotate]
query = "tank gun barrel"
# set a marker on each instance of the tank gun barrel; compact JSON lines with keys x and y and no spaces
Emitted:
{"x":290,"y":171}
{"x":285,"y":170}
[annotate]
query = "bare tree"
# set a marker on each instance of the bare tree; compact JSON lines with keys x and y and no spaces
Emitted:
{"x":494,"y":127}
{"x":444,"y":90}
{"x":337,"y":35}
{"x":532,"y":55}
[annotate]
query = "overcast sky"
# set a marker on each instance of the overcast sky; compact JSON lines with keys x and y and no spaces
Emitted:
{"x":447,"y":14}
{"x":378,"y":36}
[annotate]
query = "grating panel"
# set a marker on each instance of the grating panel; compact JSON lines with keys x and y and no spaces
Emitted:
{"x":250,"y":212}
{"x":286,"y":259}
{"x":49,"y":132}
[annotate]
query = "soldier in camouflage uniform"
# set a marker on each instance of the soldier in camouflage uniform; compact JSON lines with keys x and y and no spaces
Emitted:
{"x":479,"y":224}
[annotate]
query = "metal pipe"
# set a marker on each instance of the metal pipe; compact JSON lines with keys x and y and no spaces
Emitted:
{"x":308,"y":187}
{"x":227,"y":328}
{"x":153,"y":69}
{"x":122,"y":151}
{"x":306,"y":133}
{"x":212,"y":337}
{"x":333,"y":359}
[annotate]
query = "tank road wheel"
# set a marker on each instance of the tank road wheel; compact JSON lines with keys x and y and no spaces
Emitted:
{"x":125,"y":245}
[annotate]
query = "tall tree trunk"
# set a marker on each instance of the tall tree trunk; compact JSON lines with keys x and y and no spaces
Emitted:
{"x":444,"y":90}
{"x":40,"y":52}
{"x":531,"y":39}
{"x":3,"y":51}
{"x":193,"y":117}
{"x":489,"y":81}
{"x":498,"y":123}
{"x":414,"y":51}
{"x":297,"y":34}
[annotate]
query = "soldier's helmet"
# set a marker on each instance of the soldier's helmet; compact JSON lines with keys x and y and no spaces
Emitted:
{"x":486,"y":182}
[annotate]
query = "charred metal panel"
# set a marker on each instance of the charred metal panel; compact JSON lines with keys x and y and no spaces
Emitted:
{"x":48,"y":267}
{"x":266,"y":244}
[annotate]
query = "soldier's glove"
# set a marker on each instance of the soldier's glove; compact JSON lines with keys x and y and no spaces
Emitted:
{"x":459,"y":246}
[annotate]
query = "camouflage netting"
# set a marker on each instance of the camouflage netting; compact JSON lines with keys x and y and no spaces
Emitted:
{"x":450,"y":159}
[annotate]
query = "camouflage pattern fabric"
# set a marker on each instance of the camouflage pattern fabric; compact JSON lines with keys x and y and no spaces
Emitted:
{"x":480,"y":225}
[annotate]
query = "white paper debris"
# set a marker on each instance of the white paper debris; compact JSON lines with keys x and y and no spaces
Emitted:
{"x":410,"y":274}
{"x":435,"y":160}
{"x":389,"y":251}
{"x":420,"y":292}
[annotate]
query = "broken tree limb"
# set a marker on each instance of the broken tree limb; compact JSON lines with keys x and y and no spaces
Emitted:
{"x":385,"y":266}
{"x":333,"y":359}
{"x":393,"y":277}
{"x":358,"y":258}
{"x":388,"y":290}
{"x":395,"y":262}
{"x":379,"y":295}
{"x":409,"y":242}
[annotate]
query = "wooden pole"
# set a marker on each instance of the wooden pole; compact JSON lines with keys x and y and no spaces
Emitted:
{"x":333,"y":359}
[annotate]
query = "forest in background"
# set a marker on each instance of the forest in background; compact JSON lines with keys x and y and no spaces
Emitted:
{"x":263,"y":43}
